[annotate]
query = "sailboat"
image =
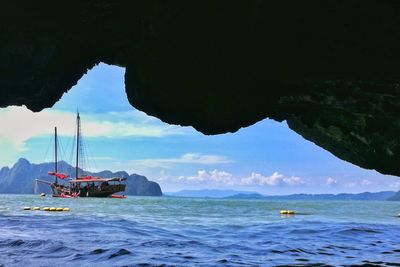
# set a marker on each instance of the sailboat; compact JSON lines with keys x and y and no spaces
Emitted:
{"x":81,"y":185}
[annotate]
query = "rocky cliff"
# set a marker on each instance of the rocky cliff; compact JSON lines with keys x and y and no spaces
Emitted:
{"x":20,"y":179}
{"x":330,"y":68}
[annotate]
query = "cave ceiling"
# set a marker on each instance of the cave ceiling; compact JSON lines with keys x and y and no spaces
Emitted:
{"x":329,"y":68}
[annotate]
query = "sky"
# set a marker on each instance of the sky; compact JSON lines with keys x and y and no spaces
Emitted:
{"x":266,"y":157}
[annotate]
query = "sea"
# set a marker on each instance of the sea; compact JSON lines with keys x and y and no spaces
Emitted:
{"x":171,"y":231}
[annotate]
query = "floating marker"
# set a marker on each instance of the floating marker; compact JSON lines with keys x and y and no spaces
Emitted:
{"x":56,"y":209}
{"x":42,"y":194}
{"x":288,"y":212}
{"x":47,"y":208}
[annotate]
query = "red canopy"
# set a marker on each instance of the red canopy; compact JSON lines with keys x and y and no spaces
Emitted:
{"x":58,"y":175}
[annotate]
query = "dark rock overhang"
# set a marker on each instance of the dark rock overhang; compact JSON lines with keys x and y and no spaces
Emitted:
{"x":329,"y":68}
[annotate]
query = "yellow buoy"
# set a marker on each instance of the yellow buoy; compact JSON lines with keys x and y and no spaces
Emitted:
{"x":59,"y":209}
{"x":289,"y":212}
{"x":36,"y":208}
{"x":65,"y":209}
{"x":42,"y":194}
{"x":52,"y":209}
{"x":46,"y":208}
{"x":26,"y":208}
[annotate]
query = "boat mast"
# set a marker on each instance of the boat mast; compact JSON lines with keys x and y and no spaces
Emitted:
{"x":78,"y":126}
{"x":55,"y":153}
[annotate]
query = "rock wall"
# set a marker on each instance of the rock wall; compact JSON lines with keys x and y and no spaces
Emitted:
{"x":330,"y":68}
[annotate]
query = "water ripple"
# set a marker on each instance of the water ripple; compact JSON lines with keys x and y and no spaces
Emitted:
{"x":195,"y":233}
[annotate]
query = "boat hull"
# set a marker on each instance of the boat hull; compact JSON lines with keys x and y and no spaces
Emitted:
{"x":94,"y":191}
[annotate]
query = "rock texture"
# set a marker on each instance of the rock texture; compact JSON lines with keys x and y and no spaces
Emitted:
{"x":20,"y":179}
{"x":330,"y":68}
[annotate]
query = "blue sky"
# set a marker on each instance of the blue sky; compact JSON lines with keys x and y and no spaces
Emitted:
{"x":266,"y":157}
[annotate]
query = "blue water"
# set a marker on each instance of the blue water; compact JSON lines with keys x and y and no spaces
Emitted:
{"x":145,"y":231}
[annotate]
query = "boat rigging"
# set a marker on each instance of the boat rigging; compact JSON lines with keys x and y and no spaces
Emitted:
{"x":84,"y":185}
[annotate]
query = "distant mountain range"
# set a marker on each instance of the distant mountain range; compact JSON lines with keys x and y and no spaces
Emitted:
{"x":211,"y":193}
{"x":232,"y":194}
{"x":395,"y":197}
{"x":20,"y":178}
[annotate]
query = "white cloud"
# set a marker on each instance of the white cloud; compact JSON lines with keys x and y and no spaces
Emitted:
{"x":189,"y":158}
{"x":20,"y":124}
{"x":350,"y":184}
{"x":272,"y":180}
{"x":226,"y":179}
{"x":366,"y":182}
{"x":258,"y":179}
{"x":293,"y":180}
{"x":395,"y":185}
{"x":214,"y":177}
{"x":202,"y":159}
{"x":331,"y":182}
{"x":149,"y":165}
